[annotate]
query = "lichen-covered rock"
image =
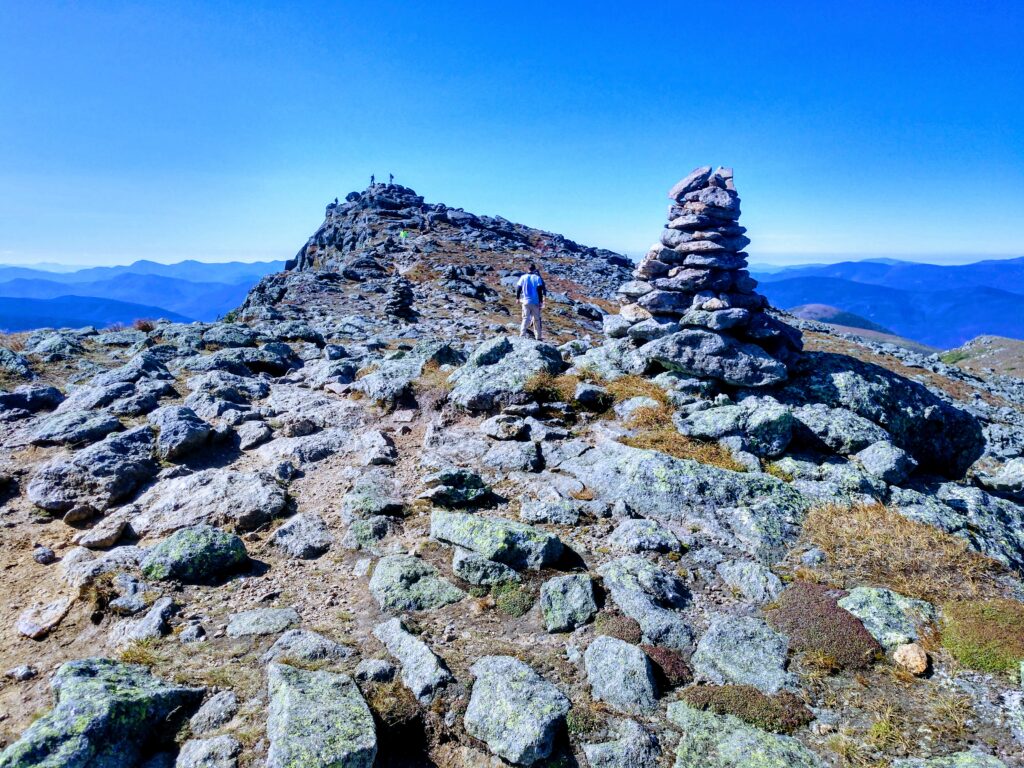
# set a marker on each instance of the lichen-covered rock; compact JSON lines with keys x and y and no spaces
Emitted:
{"x":620,"y":674}
{"x":373,"y":493}
{"x":406,"y":583}
{"x":97,"y":477}
{"x":505,"y":541}
{"x":891,"y":618}
{"x":764,"y":425}
{"x":479,"y":570}
{"x":76,"y":427}
{"x":709,"y":354}
{"x":195,"y":555}
{"x":215,"y":712}
{"x":757,"y":511}
{"x":13,"y":364}
{"x":835,"y":429}
{"x":724,"y":741}
{"x":221,"y":497}
{"x":637,"y":535}
{"x":304,"y":537}
{"x":567,"y":602}
{"x":105,"y":714}
{"x":180,"y":431}
{"x":497,"y":371}
{"x":217,"y":752}
{"x":956,"y":760}
{"x":742,"y":650}
{"x":317,"y":719}
{"x":455,"y":488}
{"x":652,"y":597}
{"x":303,"y":645}
{"x":633,"y":747}
{"x":393,"y":379}
{"x":942,"y":438}
{"x":513,"y":710}
{"x":261,"y":621}
{"x":423,"y":672}
{"x":752,"y":580}
{"x":886,"y":462}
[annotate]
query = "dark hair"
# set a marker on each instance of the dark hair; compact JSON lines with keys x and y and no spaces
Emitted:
{"x":533,"y":267}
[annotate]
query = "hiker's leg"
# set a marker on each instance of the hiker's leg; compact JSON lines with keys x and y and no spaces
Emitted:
{"x":536,"y":321}
{"x":526,"y":320}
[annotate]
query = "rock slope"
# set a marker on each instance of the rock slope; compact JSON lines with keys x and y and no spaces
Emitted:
{"x":319,"y":536}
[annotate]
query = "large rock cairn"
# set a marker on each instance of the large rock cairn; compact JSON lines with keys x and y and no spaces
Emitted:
{"x":693,"y":306}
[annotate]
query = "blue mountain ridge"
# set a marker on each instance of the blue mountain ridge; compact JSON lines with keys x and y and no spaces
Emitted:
{"x":75,"y":312}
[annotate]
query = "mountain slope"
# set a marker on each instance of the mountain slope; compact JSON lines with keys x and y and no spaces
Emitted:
{"x":1005,"y":274}
{"x":202,"y":301}
{"x":828,"y":314}
{"x":939,"y":318}
{"x":75,"y":312}
{"x":196,"y":271}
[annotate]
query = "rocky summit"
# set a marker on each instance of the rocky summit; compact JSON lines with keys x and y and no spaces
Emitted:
{"x":361,"y":522}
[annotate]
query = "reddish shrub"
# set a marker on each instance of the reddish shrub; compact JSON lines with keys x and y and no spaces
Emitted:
{"x":809,"y":615}
{"x":615,"y":624}
{"x":782,"y":713}
{"x":670,"y":668}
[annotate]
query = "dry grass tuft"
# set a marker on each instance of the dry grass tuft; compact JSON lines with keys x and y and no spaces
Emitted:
{"x":667,"y":440}
{"x":888,"y":733}
{"x":872,"y":544}
{"x":140,"y":652}
{"x":13,"y":341}
{"x":432,"y":379}
{"x":987,"y":635}
{"x":366,"y":371}
{"x":772,"y":468}
{"x":647,"y":417}
{"x":628,"y":387}
{"x":144,"y":324}
{"x":548,"y":388}
{"x":615,"y":624}
{"x":421,"y":272}
{"x":393,"y":704}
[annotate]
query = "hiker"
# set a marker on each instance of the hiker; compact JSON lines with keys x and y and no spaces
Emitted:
{"x":391,"y":178}
{"x":373,"y":179}
{"x":530,"y":293}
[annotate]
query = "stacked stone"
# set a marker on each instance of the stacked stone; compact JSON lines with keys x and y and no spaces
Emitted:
{"x":399,"y":299}
{"x":696,"y":276}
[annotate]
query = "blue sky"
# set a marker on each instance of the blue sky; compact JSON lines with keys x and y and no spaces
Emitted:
{"x":217,"y":130}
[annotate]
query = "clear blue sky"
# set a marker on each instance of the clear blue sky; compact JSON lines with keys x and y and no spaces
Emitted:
{"x":218,"y":130}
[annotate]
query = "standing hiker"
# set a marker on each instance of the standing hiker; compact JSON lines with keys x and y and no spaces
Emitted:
{"x":530,"y":293}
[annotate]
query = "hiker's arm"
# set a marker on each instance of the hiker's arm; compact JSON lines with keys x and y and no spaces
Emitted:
{"x":519,"y":291}
{"x":540,"y":292}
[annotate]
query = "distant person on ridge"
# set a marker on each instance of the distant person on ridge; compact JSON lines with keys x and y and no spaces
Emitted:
{"x":373,"y":179}
{"x":530,"y":293}
{"x":391,"y":178}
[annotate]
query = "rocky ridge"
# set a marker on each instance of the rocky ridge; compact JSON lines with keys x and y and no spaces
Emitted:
{"x":322,"y":536}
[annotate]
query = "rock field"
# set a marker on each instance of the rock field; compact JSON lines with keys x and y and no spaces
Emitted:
{"x":360,"y":522}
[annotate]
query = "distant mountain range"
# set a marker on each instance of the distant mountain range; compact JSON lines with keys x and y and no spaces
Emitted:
{"x":75,"y":312}
{"x":186,"y":291}
{"x":943,"y":306}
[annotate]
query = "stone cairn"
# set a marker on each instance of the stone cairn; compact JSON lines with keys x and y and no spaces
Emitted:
{"x":696,"y":278}
{"x":399,"y":300}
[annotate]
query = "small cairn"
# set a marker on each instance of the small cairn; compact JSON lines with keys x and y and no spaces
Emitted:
{"x":399,"y":299}
{"x":693,"y":285}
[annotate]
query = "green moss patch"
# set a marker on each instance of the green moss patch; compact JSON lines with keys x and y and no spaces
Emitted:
{"x":782,"y":713}
{"x":809,"y":615}
{"x":512,"y":599}
{"x":987,"y":635}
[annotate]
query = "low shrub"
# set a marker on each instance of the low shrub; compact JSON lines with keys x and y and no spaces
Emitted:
{"x":668,"y":440}
{"x":986,"y":635}
{"x":393,"y":704}
{"x":583,"y":719}
{"x":873,"y":544}
{"x":781,"y":713}
{"x":512,"y":599}
{"x":548,"y":388}
{"x":809,"y":615}
{"x":144,"y":324}
{"x":670,"y":667}
{"x":628,"y":387}
{"x":615,"y":624}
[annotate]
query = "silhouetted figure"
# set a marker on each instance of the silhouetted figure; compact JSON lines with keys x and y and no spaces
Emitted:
{"x":373,"y":179}
{"x":391,"y":178}
{"x":335,"y":201}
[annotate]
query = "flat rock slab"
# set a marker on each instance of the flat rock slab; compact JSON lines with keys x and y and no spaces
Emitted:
{"x":304,"y":537}
{"x":621,"y":675}
{"x":724,"y":741}
{"x":513,"y":710}
{"x":497,"y":371}
{"x":105,"y":713}
{"x":317,"y":719}
{"x":505,"y":541}
{"x":423,"y":672}
{"x":567,"y":602}
{"x":37,"y":621}
{"x":303,"y":645}
{"x":744,"y":651}
{"x":261,"y":621}
{"x":406,"y":583}
{"x":224,"y":498}
{"x":757,"y":512}
{"x":891,"y":618}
